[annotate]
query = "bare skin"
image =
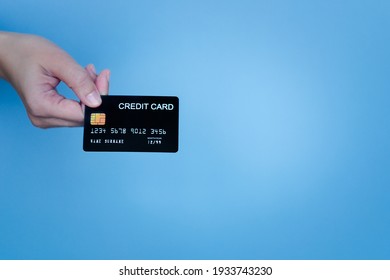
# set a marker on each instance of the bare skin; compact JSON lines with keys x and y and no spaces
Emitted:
{"x":35,"y":66}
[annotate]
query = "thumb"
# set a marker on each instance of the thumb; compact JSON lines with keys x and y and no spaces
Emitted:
{"x":77,"y":78}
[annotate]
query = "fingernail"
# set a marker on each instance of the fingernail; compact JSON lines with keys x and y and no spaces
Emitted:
{"x":108,"y":76}
{"x":94,"y":99}
{"x":93,"y":69}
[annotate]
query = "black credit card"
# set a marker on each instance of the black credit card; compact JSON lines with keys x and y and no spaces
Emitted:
{"x":133,"y":124}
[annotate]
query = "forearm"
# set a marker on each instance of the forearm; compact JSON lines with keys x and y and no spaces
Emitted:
{"x":3,"y":51}
{"x":19,"y":55}
{"x":8,"y":54}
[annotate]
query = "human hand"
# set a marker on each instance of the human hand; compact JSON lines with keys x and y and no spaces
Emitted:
{"x":35,"y":66}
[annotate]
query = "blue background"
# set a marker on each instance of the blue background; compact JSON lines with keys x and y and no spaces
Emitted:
{"x":284,"y":134}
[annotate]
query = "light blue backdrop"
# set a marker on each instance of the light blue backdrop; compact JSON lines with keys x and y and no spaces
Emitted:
{"x":284,"y":134}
